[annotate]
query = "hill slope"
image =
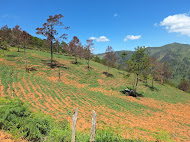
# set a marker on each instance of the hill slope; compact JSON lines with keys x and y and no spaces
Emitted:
{"x":176,"y":54}
{"x":161,"y":114}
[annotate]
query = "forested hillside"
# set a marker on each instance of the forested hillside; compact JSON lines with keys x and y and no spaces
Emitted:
{"x":176,"y":54}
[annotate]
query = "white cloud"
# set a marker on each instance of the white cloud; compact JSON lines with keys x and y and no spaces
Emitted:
{"x":179,"y":23}
{"x":132,"y":37}
{"x":115,"y":15}
{"x":100,"y":39}
{"x":92,"y":38}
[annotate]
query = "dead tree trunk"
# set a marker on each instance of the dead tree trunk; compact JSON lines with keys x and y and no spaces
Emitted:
{"x":152,"y":83}
{"x":51,"y":54}
{"x":88,"y":63}
{"x":59,"y":75}
{"x":3,"y":49}
{"x":58,"y":51}
{"x":108,"y":67}
{"x":25,"y":57}
{"x":75,"y":59}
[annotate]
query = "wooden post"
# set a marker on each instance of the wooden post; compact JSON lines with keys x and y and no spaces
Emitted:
{"x":74,"y":120}
{"x":59,"y":75}
{"x":25,"y":57}
{"x":93,"y":128}
{"x":3,"y":48}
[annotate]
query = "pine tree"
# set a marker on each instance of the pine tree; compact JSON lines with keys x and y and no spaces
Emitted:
{"x":110,"y":57}
{"x":48,"y":30}
{"x":138,"y":64}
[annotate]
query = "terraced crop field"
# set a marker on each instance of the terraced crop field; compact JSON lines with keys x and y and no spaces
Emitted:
{"x":162,"y":114}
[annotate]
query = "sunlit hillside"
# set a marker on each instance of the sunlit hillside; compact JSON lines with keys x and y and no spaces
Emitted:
{"x":161,"y":114}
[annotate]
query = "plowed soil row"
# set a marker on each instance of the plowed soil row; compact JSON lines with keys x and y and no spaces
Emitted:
{"x":173,"y":118}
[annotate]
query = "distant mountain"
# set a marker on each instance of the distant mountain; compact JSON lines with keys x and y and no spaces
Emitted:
{"x":176,"y":54}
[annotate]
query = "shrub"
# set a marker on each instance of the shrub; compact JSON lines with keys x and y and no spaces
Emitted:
{"x":16,"y":117}
{"x":184,"y":85}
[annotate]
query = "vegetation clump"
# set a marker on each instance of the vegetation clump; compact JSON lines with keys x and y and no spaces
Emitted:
{"x":16,"y":117}
{"x":184,"y":85}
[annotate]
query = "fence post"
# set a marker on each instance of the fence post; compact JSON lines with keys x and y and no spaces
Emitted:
{"x":74,"y":120}
{"x":93,"y":128}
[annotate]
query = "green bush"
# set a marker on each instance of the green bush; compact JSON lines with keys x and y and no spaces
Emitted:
{"x":16,"y":117}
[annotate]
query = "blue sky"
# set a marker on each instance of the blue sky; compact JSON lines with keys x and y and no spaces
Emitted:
{"x":122,"y":24}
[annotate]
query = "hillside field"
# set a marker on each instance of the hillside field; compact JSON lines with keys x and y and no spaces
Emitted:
{"x":161,"y":114}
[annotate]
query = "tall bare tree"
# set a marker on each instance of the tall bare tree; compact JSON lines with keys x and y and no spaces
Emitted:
{"x":48,"y":30}
{"x":161,"y":71}
{"x":16,"y":35}
{"x":25,"y":38}
{"x":153,"y":72}
{"x":87,"y":51}
{"x":123,"y":55}
{"x":4,"y":35}
{"x":75,"y":48}
{"x":167,"y":72}
{"x":110,"y":57}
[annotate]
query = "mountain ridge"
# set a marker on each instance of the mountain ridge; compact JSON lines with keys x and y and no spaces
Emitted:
{"x":176,"y":54}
